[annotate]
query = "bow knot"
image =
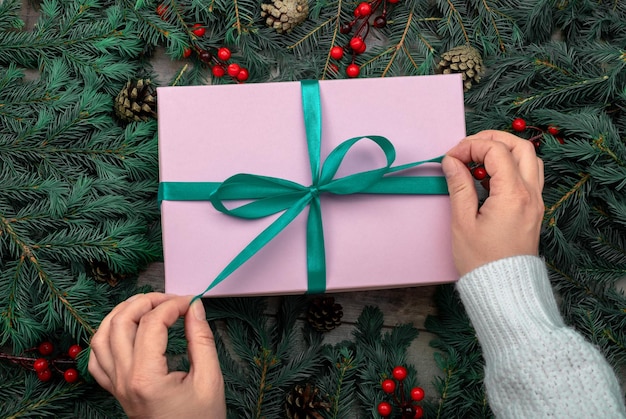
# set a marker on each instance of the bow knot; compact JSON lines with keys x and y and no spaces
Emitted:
{"x":315,"y":193}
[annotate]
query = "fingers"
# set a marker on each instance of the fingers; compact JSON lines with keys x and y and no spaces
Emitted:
{"x":124,"y":327}
{"x":510,"y":161}
{"x":201,"y":347}
{"x":463,"y":197}
{"x":98,"y":373}
{"x":151,"y":336}
{"x":541,"y":174}
{"x":529,"y":166}
{"x":112,"y":345}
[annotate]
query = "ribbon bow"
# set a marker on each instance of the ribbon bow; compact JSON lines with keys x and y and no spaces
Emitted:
{"x":272,"y":195}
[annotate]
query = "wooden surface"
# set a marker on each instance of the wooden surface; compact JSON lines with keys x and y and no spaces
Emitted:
{"x":403,"y":305}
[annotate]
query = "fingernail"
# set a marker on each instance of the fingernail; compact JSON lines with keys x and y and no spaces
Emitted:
{"x":198,"y":310}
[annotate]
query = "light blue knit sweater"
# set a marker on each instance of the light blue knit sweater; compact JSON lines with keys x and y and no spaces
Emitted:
{"x":535,"y":366}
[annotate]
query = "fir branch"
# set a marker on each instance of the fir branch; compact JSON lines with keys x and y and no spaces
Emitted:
{"x":345,"y":367}
{"x":570,"y":91}
{"x":47,"y":403}
{"x":484,"y":5}
{"x":452,"y":14}
{"x":549,"y":213}
{"x":265,"y":361}
{"x":9,"y":18}
{"x":399,"y":45}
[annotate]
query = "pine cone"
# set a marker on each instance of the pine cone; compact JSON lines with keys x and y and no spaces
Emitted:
{"x":465,"y":60}
{"x":284,"y":15}
{"x":324,"y":314}
{"x":301,"y":403}
{"x":136,"y":101}
{"x":101,"y":273}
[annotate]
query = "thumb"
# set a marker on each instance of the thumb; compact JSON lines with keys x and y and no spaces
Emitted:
{"x":463,"y":197}
{"x":201,"y":349}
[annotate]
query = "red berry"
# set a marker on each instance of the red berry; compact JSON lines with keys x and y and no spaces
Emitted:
{"x":560,"y":140}
{"x":380,"y":22}
{"x":364,"y":9}
{"x":417,"y":393}
{"x":218,"y":71}
{"x":223,"y":54}
{"x":333,"y":68}
{"x":70,"y":375}
{"x":161,"y":9}
{"x":243,"y":75}
{"x":399,"y":373}
{"x":419,"y":412}
{"x":393,"y":1}
{"x":74,"y":351}
{"x":388,"y":386}
{"x":518,"y":124}
{"x":537,"y":144}
{"x":233,"y":70}
{"x":44,"y":375}
{"x":553,"y":130}
{"x":479,"y":173}
{"x":356,"y":43}
{"x":187,"y":52}
{"x":336,"y":53}
{"x":362,"y":49}
{"x":353,"y":70}
{"x":40,"y":364}
{"x":198,"y":30}
{"x":205,"y":56}
{"x":384,"y":409}
{"x":46,"y":348}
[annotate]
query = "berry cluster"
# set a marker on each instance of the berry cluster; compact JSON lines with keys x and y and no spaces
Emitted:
{"x":43,"y":367}
{"x":407,"y":408}
{"x":519,"y":125}
{"x":48,"y":362}
{"x":217,"y":59}
{"x":362,"y":16}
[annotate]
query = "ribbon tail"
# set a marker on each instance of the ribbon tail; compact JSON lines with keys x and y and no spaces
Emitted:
{"x":316,"y":252}
{"x":259,"y":242}
{"x":437,"y":159}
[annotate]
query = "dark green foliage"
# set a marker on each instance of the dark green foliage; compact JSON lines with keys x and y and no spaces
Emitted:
{"x":260,"y":365}
{"x":75,"y":188}
{"x":258,"y":360}
{"x":461,"y":386}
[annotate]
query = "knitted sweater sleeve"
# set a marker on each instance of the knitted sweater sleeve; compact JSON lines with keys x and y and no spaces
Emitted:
{"x":535,"y":366}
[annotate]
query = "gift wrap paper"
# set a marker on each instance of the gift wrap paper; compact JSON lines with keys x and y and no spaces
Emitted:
{"x":209,"y":133}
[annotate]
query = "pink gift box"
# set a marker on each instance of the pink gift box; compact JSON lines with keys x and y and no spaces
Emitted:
{"x":209,"y":133}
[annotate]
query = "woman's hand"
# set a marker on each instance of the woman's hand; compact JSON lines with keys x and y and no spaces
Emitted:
{"x":509,"y":221}
{"x":128,"y":359}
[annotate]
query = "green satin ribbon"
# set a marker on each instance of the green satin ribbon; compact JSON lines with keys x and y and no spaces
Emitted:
{"x":271,"y":195}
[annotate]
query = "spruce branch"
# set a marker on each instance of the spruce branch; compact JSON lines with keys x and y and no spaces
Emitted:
{"x":399,"y":45}
{"x":346,"y":366}
{"x":549,"y":213}
{"x":452,"y":14}
{"x":491,"y":12}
